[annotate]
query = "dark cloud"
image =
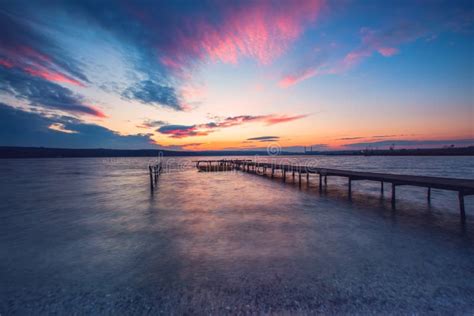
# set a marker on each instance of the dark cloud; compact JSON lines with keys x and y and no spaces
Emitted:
{"x":40,"y":92}
{"x":264,"y":138}
{"x":151,"y":123}
{"x":150,"y":92}
{"x":181,"y":131}
{"x":20,"y":128}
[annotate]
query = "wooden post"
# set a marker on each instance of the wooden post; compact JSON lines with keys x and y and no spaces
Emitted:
{"x":381,"y":187}
{"x":350,"y":188}
{"x":325,"y":181}
{"x":293,"y":174}
{"x":273,"y":171}
{"x":320,"y":182}
{"x":307,"y":177}
{"x":393,"y":195}
{"x":151,"y":176}
{"x":429,"y":195}
{"x":284,"y":174}
{"x":299,"y":178}
{"x":461,"y":206}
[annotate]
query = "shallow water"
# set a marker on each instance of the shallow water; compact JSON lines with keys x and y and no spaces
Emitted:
{"x":90,"y":236}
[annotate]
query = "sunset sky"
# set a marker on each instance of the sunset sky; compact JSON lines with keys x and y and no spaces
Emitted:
{"x":200,"y":75}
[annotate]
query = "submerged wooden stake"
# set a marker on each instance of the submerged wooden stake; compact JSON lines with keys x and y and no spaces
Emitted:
{"x":151,"y":176}
{"x":393,"y":195}
{"x":350,"y":188}
{"x":461,"y":206}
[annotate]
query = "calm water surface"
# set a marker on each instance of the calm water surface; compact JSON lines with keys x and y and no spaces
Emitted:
{"x":90,"y":236}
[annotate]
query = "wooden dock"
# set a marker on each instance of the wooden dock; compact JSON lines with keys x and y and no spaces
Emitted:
{"x":462,"y":186}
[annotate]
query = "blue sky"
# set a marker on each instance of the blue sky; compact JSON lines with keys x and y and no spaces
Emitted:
{"x":200,"y":75}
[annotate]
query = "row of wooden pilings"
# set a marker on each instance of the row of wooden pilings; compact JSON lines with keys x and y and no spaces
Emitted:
{"x":248,"y":167}
{"x":155,"y":171}
{"x":353,"y":176}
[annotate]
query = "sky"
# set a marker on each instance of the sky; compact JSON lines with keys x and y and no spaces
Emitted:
{"x":227,"y":74}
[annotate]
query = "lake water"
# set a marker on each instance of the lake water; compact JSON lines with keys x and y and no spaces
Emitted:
{"x":90,"y":236}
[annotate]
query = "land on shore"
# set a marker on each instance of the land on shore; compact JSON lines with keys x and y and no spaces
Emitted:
{"x":44,"y":152}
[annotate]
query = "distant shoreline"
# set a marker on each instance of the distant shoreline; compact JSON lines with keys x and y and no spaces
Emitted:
{"x":7,"y":152}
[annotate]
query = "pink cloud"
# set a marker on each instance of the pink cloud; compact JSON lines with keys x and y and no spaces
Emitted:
{"x":49,"y":75}
{"x":182,"y":131}
{"x":261,"y":30}
{"x":291,"y":80}
{"x":36,"y":64}
{"x":170,"y":63}
{"x":94,"y":111}
{"x":5,"y":63}
{"x":388,"y":51}
{"x":384,"y":42}
{"x":274,"y":119}
{"x":33,"y":54}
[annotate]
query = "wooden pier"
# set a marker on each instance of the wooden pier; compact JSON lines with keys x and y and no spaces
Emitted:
{"x":462,"y":186}
{"x":217,"y":165}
